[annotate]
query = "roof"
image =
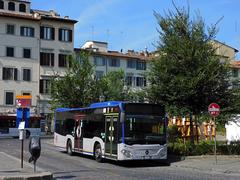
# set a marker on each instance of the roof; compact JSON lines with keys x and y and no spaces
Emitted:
{"x":140,"y":56}
{"x":94,"y":105}
{"x":226,"y":45}
{"x":42,"y":15}
{"x":19,"y":16}
{"x":235,"y":64}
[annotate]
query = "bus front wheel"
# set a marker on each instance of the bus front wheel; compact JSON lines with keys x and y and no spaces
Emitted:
{"x":98,"y":153}
{"x":69,"y":148}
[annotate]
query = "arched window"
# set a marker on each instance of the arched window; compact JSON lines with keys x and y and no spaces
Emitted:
{"x":1,"y":5}
{"x":22,"y":7}
{"x":11,"y":6}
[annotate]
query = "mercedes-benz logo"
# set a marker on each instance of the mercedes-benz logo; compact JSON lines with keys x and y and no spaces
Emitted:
{"x":146,"y":152}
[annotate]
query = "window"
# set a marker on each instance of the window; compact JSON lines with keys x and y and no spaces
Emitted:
{"x":10,"y":52}
{"x":62,"y":60}
{"x":235,"y":72}
{"x":131,"y":63}
{"x":27,"y":31}
{"x":140,"y":81}
{"x":141,"y":65}
{"x":65,"y":35}
{"x":45,"y":85}
{"x":1,"y":5}
{"x":22,"y":7}
{"x":27,"y":53}
{"x":46,"y":59}
{"x":129,"y":80}
{"x":114,"y":62}
{"x":9,"y":98}
{"x":99,"y":74}
{"x":99,"y":61}
{"x":26,"y":94}
{"x":11,"y":6}
{"x":47,"y":33}
{"x":10,"y":74}
{"x":10,"y":29}
{"x":26,"y":74}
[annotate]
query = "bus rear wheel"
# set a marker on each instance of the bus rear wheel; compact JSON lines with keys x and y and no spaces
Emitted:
{"x":69,"y":148}
{"x":98,"y":153}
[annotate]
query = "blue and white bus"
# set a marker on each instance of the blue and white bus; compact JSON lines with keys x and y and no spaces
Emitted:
{"x":113,"y":130}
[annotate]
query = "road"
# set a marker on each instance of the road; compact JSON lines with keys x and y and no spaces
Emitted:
{"x":79,"y":167}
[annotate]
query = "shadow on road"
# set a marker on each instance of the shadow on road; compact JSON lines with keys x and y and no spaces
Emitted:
{"x":138,"y":163}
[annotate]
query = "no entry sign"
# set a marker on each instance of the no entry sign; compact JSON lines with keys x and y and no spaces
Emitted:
{"x":214,"y":109}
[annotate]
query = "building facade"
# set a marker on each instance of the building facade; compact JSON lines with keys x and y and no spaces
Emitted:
{"x":33,"y":47}
{"x":134,"y":64}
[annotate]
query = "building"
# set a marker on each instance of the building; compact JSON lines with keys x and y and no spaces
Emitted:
{"x":33,"y":47}
{"x":134,"y":64}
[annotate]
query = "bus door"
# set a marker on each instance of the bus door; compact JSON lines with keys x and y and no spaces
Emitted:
{"x":111,"y":136}
{"x":78,"y":144}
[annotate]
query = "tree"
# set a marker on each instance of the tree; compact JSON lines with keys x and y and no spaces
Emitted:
{"x":187,"y":75}
{"x":78,"y":87}
{"x":112,"y":87}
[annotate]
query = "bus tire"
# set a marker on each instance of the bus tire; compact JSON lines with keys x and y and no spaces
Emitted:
{"x":69,"y":147}
{"x":98,"y":153}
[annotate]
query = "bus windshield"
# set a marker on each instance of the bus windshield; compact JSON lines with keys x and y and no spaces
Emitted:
{"x":144,"y":130}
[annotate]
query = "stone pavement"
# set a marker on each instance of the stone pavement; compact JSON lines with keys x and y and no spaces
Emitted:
{"x":206,"y":163}
{"x":10,"y":168}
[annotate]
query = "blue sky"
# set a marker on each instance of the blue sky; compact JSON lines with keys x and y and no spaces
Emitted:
{"x":130,"y":24}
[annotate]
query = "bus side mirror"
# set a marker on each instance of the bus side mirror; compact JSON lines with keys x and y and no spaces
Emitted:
{"x":122,"y":116}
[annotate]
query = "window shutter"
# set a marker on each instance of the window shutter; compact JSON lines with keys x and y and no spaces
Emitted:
{"x":22,"y":31}
{"x":4,"y":74}
{"x":41,"y":32}
{"x":53,"y":33}
{"x":41,"y":86}
{"x":52,"y":59}
{"x":15,"y":74}
{"x":70,"y":35}
{"x":59,"y":35}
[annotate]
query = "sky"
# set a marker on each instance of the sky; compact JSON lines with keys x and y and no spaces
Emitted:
{"x":130,"y":24}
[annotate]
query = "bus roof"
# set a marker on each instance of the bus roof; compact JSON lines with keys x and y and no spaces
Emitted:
{"x":94,"y":105}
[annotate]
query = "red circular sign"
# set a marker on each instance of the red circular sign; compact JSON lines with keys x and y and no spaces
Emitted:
{"x":214,"y":109}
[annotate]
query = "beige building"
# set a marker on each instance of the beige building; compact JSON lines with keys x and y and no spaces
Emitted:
{"x":134,"y":64}
{"x":34,"y":45}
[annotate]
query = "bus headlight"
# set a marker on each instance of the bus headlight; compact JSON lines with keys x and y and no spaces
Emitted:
{"x":126,"y":153}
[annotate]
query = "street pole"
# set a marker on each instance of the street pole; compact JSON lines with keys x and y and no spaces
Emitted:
{"x":22,"y":151}
{"x":215,"y":139}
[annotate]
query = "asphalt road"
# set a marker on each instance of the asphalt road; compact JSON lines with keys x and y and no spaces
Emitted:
{"x":64,"y":166}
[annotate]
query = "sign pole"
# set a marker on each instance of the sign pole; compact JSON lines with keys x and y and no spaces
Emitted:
{"x":22,"y":143}
{"x":214,"y":111}
{"x":215,"y":140}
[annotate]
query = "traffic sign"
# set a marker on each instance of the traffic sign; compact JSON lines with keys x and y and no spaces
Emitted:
{"x":214,"y":109}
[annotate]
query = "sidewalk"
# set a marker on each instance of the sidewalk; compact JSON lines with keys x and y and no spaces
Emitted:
{"x":10,"y":168}
{"x":225,"y":164}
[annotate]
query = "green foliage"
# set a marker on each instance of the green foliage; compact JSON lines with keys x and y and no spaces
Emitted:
{"x":111,"y":86}
{"x":77,"y":88}
{"x":173,"y":133}
{"x":187,"y":75}
{"x":203,"y":148}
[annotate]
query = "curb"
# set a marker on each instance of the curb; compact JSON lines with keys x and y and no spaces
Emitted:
{"x":36,"y":176}
{"x":21,"y":175}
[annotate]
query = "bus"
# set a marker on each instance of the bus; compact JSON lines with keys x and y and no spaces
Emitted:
{"x":113,"y":130}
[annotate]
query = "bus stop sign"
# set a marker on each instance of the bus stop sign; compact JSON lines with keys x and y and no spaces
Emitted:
{"x":214,"y":109}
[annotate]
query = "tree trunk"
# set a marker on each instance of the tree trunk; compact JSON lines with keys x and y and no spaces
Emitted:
{"x":191,"y":130}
